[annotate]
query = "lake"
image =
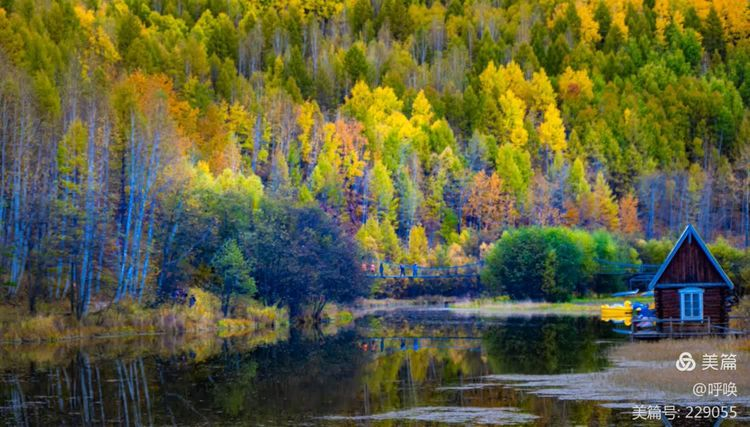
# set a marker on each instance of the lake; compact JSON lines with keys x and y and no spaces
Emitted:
{"x":404,"y":367}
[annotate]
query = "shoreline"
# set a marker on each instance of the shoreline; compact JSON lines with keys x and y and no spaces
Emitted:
{"x":492,"y":306}
{"x":58,"y":325}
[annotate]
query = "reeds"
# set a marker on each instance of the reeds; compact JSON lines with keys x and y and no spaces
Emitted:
{"x":130,"y":318}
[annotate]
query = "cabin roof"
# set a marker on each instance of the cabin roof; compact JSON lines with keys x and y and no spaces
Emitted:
{"x":690,"y":232}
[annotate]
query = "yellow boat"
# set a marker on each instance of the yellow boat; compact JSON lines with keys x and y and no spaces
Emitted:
{"x":617,"y":310}
{"x":626,"y":320}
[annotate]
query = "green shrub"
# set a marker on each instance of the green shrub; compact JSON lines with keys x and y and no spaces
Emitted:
{"x":551,"y":263}
{"x":653,"y":251}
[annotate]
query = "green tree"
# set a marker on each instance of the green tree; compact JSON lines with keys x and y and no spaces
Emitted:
{"x":356,"y":64}
{"x":713,"y":34}
{"x":234,"y":271}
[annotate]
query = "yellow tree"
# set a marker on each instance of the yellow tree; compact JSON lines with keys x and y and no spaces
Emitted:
{"x":661,"y":9}
{"x":422,"y":114}
{"x":575,"y":85}
{"x":542,"y":92}
{"x":605,"y":206}
{"x":511,"y":127}
{"x":589,"y":25}
{"x":305,"y":120}
{"x":552,"y":130}
{"x":418,"y":247}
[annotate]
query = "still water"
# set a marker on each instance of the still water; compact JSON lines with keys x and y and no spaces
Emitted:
{"x":407,"y":367}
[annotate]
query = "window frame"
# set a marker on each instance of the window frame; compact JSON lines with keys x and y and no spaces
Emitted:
{"x":691,"y":293}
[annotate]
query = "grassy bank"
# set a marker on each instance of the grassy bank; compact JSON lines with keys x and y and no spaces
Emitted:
{"x":56,"y":323}
{"x":576,"y":306}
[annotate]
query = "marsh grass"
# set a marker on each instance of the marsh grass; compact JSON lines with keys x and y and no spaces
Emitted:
{"x":642,"y":372}
{"x":651,"y":365}
{"x":130,"y":318}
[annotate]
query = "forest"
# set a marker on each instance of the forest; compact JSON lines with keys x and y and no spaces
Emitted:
{"x":271,"y":147}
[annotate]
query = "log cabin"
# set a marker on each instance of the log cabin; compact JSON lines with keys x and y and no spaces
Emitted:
{"x":691,"y":290}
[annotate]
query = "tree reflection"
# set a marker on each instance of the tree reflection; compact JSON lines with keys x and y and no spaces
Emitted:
{"x":555,"y":344}
{"x":383,"y":364}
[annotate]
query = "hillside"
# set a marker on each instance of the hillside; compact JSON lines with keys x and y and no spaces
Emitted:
{"x":137,"y":138}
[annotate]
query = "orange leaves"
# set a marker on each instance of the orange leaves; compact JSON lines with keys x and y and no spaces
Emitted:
{"x":629,"y":223}
{"x":488,"y":205}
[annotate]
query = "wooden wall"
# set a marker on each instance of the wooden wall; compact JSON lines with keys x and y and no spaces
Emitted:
{"x":668,"y":304}
{"x":690,"y":265}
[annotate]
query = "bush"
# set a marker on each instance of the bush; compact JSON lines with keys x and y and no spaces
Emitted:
{"x":734,"y":261}
{"x":551,"y":263}
{"x":653,"y":251}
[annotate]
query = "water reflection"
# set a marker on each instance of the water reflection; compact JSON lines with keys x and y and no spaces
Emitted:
{"x":392,"y":363}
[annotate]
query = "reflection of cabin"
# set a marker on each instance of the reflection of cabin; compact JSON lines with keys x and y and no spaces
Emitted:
{"x":691,"y":290}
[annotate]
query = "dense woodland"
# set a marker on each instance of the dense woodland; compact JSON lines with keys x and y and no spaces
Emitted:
{"x":246,"y":146}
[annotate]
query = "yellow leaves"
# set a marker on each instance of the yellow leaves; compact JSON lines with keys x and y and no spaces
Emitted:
{"x":360,"y":100}
{"x":504,"y":90}
{"x":379,"y":110}
{"x":418,"y":246}
{"x":584,"y":10}
{"x":589,"y":25}
{"x":322,"y":8}
{"x":85,"y":16}
{"x":552,"y":130}
{"x":735,"y":17}
{"x":542,"y":92}
{"x":369,"y":236}
{"x":239,"y":120}
{"x":421,"y":111}
{"x":661,"y":8}
{"x":605,"y":207}
{"x":339,"y":156}
{"x":71,"y":154}
{"x":384,"y":102}
{"x":398,"y":123}
{"x":496,"y":80}
{"x":306,"y":120}
{"x":513,"y":112}
{"x":514,"y":76}
{"x":575,"y":85}
{"x":679,"y":20}
{"x":618,"y":19}
{"x":382,"y":191}
{"x":104,"y":47}
{"x":558,"y":14}
{"x":492,"y":80}
{"x":423,"y":16}
{"x":248,"y":186}
{"x":99,"y":44}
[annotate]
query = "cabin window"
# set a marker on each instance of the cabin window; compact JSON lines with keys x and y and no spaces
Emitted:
{"x":691,"y":304}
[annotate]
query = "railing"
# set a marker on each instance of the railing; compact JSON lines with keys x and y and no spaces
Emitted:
{"x":615,"y":267}
{"x":681,"y":328}
{"x":391,"y":270}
